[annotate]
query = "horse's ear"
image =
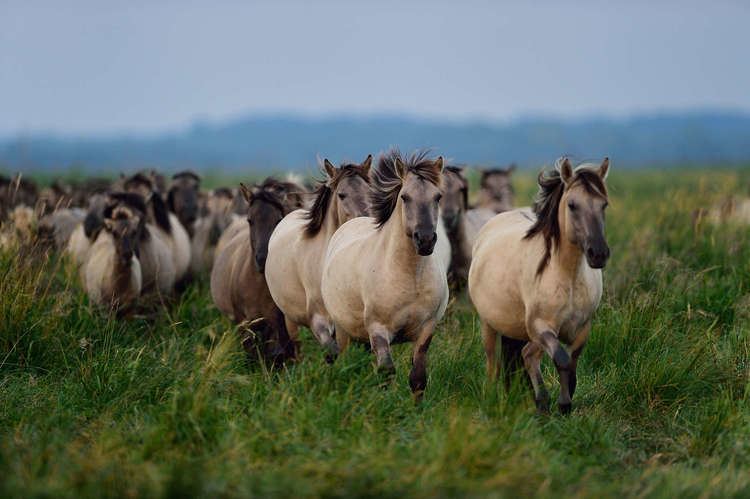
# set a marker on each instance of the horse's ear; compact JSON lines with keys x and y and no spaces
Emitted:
{"x":367,"y":163}
{"x":511,"y":168}
{"x":604,"y":169}
{"x":439,"y":163}
{"x":330,"y":169}
{"x":246,"y":193}
{"x":566,"y":170}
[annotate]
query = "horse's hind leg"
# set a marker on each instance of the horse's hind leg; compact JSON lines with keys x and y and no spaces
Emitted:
{"x":418,"y":374}
{"x":380,"y":341}
{"x":577,"y":349}
{"x":489,"y":339}
{"x":322,"y":329}
{"x":512,"y":357}
{"x":532,"y":360}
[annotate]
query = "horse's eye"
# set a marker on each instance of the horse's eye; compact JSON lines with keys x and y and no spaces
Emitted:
{"x":342,"y":195}
{"x":572,"y":206}
{"x":405,"y":198}
{"x":604,"y":206}
{"x":438,"y":198}
{"x":249,"y":221}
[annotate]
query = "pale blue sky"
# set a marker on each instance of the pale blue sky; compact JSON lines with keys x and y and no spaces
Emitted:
{"x":142,"y":66}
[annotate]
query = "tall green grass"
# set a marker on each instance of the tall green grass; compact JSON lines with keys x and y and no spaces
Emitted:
{"x":164,"y":404}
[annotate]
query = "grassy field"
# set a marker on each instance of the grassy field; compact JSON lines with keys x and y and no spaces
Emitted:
{"x":165,"y":405}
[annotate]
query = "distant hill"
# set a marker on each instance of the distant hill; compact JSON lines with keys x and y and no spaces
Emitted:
{"x":293,"y":142}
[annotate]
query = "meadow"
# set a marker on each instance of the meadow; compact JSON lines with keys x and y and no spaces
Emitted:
{"x":165,"y":404}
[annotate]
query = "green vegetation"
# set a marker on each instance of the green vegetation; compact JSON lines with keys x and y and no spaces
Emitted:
{"x":165,"y":404}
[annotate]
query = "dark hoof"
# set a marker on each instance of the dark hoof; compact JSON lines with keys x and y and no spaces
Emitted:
{"x":565,"y":408}
{"x":387,"y":369}
{"x":542,"y":405}
{"x":331,"y":358}
{"x":418,"y":396}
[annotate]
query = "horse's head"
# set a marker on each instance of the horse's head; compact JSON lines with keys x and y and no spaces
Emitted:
{"x":125,"y":224}
{"x":219,"y":201}
{"x":496,"y":184}
{"x":267,"y":203}
{"x":582,"y":205}
{"x":138,"y":183}
{"x":420,"y":201}
{"x":182,"y":198}
{"x":455,"y":200}
{"x":349,"y":184}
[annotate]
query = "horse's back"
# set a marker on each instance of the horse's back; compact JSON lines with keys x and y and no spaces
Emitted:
{"x":504,"y":228}
{"x":222,"y":273}
{"x":350,"y":233}
{"x":157,"y":261}
{"x":236,"y":226}
{"x":285,"y":266}
{"x":501,"y":259}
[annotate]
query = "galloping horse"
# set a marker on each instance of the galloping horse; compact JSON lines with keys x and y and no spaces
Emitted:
{"x":536,"y":278}
{"x":238,"y":286}
{"x":383,"y":277}
{"x":294,"y":267}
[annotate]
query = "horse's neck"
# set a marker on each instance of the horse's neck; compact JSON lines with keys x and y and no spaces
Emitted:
{"x":459,"y":240}
{"x":399,"y":248}
{"x":568,"y":258}
{"x":331,"y":220}
{"x":121,"y":274}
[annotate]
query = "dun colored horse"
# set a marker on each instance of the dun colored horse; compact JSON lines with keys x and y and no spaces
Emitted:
{"x":112,"y":273}
{"x":238,"y":286}
{"x":209,"y":228}
{"x":170,"y":227}
{"x":461,"y":223}
{"x":496,"y":189}
{"x":298,"y":245}
{"x":536,"y":279}
{"x":383,"y":279}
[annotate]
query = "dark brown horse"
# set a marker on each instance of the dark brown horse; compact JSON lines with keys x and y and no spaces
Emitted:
{"x":238,"y":286}
{"x":182,"y":198}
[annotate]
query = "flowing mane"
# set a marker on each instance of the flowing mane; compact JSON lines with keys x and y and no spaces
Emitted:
{"x":324,"y":189}
{"x":386,"y":180}
{"x":547,"y":203}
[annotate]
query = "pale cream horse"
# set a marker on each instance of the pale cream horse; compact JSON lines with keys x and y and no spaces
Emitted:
{"x":536,"y":278}
{"x":112,"y":272}
{"x":383,"y":278}
{"x":294,"y":267}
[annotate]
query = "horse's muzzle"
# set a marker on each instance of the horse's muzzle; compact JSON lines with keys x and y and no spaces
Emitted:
{"x":260,"y":262}
{"x":597,"y":257}
{"x":425,"y":243}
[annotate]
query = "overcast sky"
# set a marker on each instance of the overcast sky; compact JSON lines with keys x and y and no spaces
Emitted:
{"x":142,"y":66}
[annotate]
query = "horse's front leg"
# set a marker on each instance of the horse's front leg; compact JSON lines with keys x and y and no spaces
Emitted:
{"x":546,"y":337}
{"x":380,"y":342}
{"x":418,"y":374}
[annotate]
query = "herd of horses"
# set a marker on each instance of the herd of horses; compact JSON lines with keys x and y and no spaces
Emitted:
{"x":369,"y":254}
